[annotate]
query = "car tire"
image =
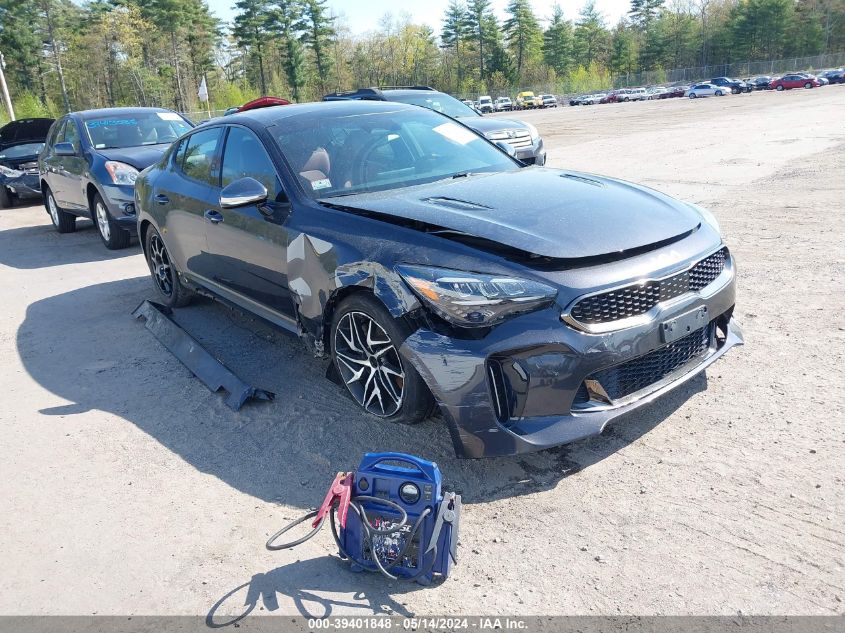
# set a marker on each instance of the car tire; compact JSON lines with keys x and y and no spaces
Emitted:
{"x":692,"y":95}
{"x":779,"y":88}
{"x":380,"y":381}
{"x":113,"y":236}
{"x":808,"y":85}
{"x":169,"y":289}
{"x":5,"y":198}
{"x":63,"y":221}
{"x":719,"y":93}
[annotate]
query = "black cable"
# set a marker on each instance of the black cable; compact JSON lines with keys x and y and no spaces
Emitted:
{"x":289,"y":526}
{"x":369,"y":532}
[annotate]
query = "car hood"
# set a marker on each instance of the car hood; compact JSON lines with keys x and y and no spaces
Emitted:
{"x":545,"y":212}
{"x":139,"y":157}
{"x":484,"y":125}
{"x":24,"y":131}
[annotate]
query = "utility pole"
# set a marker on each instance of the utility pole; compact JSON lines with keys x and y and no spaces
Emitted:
{"x":5,"y":90}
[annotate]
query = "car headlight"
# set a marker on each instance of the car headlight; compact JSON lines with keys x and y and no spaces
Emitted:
{"x":708,"y":217}
{"x":472,"y":299}
{"x":121,"y":173}
{"x":535,"y":135}
{"x":10,"y":173}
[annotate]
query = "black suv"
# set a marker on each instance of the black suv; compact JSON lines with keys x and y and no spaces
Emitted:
{"x":523,"y":137}
{"x":735,"y":85}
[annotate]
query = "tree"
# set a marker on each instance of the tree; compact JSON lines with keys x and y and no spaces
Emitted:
{"x":284,"y":22}
{"x":557,"y":42}
{"x":623,"y":54}
{"x":591,"y":37}
{"x":319,"y":31}
{"x":20,"y":43}
{"x":479,"y":14}
{"x":250,"y":32}
{"x":455,"y":33}
{"x":644,"y":12}
{"x":523,"y":33}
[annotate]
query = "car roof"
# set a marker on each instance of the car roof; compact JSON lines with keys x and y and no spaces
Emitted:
{"x":275,"y":114}
{"x":92,"y":114}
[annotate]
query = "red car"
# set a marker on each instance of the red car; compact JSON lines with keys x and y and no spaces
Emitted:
{"x":794,"y":81}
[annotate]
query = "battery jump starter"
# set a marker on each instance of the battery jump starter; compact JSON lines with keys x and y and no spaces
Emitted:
{"x":402,"y":524}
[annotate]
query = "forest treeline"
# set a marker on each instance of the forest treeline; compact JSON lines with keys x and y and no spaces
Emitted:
{"x":60,"y":55}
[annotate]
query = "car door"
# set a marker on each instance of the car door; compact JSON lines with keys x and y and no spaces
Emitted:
{"x":249,"y":243}
{"x":70,"y":170}
{"x":183,"y":193}
{"x":50,"y":162}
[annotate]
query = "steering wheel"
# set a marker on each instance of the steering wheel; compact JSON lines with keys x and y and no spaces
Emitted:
{"x":362,"y":161}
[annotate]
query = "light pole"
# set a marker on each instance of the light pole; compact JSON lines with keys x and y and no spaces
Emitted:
{"x":5,"y":90}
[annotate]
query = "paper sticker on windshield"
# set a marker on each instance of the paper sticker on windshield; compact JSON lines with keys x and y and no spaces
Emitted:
{"x":323,"y":183}
{"x":456,"y":133}
{"x":109,"y":122}
{"x":169,"y":116}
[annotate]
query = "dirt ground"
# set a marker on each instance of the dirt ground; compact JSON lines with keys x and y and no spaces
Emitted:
{"x":128,"y":488}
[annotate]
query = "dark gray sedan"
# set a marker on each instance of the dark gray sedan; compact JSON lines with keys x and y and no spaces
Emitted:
{"x":531,"y":305}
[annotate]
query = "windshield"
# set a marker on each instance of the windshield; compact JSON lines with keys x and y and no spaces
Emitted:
{"x":377,"y":151}
{"x":134,"y":129}
{"x":436,"y":101}
{"x":21,"y":151}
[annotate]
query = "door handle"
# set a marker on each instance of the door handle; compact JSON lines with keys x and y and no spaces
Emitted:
{"x":213,"y":216}
{"x":162,"y":199}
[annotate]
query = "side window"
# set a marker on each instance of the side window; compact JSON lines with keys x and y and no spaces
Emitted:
{"x":71,"y":134}
{"x":197,"y":153}
{"x":55,"y":133}
{"x":244,"y":156}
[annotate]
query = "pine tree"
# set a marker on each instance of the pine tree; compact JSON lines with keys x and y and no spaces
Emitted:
{"x":285,"y":23}
{"x":250,"y":32}
{"x":455,"y":32}
{"x":318,"y":32}
{"x":479,"y":14}
{"x":557,"y":42}
{"x":591,"y":37}
{"x":523,"y":33}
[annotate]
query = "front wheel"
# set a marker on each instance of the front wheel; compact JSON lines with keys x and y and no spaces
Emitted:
{"x":110,"y":232}
{"x":63,"y":221}
{"x":808,"y":85}
{"x":779,"y":88}
{"x":719,"y":93}
{"x":165,"y":277}
{"x":365,"y":342}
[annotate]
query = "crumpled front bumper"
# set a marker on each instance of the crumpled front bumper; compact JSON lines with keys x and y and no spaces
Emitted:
{"x":24,"y":186}
{"x":554,"y":359}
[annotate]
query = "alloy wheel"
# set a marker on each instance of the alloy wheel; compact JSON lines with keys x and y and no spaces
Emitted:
{"x":160,"y":266}
{"x":103,"y":221}
{"x":369,"y":364}
{"x":54,"y":210}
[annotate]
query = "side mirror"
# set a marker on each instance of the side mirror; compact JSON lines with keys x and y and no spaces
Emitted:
{"x":507,"y":148}
{"x":243,"y":192}
{"x":64,"y":149}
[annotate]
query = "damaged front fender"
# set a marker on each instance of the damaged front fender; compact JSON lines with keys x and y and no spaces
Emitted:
{"x":318,"y":279}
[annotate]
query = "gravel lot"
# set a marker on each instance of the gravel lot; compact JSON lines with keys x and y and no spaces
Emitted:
{"x":128,"y":488}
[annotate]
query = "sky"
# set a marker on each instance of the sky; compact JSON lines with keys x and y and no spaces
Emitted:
{"x":363,"y":15}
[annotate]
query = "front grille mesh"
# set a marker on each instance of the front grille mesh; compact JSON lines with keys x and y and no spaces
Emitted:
{"x":637,"y":299}
{"x":634,"y":375}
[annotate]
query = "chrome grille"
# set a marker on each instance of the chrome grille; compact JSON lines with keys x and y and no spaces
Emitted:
{"x":637,"y":299}
{"x":517,"y":139}
{"x":639,"y":373}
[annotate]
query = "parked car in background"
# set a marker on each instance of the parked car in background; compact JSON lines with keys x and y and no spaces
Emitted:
{"x":706,"y":90}
{"x":527,"y":100}
{"x":761,"y":82}
{"x":635,"y":94}
{"x":503,"y":104}
{"x":433,"y":269}
{"x":549,"y":101}
{"x":593,"y":99}
{"x":485,"y":104}
{"x":577,"y":100}
{"x":674,"y":91}
{"x":736,"y":85}
{"x":654,"y":93}
{"x":823,"y":81}
{"x":795,"y":80}
{"x":834,"y":75}
{"x":20,"y":143}
{"x":90,"y":162}
{"x":521,"y":136}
